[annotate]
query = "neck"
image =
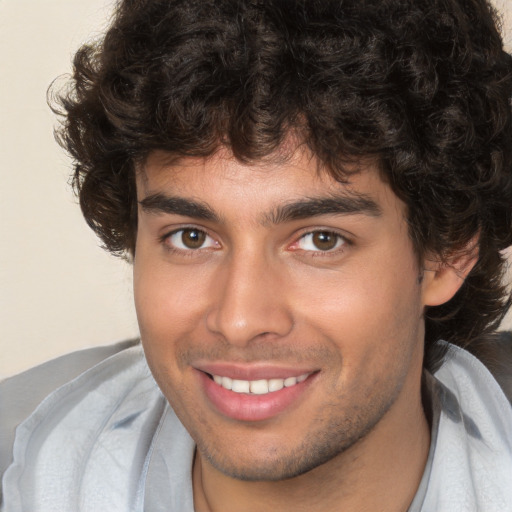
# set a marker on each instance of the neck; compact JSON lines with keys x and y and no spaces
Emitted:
{"x":381,"y":472}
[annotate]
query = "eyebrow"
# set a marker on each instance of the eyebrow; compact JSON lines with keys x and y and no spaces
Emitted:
{"x":160,"y":203}
{"x":346,"y":204}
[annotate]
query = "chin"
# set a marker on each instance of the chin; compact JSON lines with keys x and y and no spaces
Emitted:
{"x":285,"y":465}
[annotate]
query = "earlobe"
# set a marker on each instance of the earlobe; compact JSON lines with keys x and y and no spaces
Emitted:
{"x":441,"y":280}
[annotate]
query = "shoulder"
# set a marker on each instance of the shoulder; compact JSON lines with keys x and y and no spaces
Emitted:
{"x":472,"y":446}
{"x":21,"y":394}
{"x":495,"y":352}
{"x":87,"y":440}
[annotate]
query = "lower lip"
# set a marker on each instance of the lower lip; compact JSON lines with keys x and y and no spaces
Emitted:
{"x":249,"y":407}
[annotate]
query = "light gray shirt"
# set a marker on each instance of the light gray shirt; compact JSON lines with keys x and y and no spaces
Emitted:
{"x":108,"y":440}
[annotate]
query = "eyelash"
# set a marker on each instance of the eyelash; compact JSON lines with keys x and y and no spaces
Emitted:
{"x":189,"y":252}
{"x":341,"y":243}
{"x":164,"y":240}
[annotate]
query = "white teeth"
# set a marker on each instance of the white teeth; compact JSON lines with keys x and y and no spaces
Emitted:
{"x":290,"y":381}
{"x":226,"y":382}
{"x":275,"y":384}
{"x":240,"y":386}
{"x":258,"y":387}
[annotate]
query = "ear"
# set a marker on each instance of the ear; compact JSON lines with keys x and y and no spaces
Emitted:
{"x":442,"y":279}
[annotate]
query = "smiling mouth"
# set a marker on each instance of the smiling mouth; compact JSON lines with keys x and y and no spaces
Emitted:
{"x":254,"y":398}
{"x":257,"y":387}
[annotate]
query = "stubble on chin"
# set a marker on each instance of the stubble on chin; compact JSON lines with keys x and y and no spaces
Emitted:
{"x":331,"y":438}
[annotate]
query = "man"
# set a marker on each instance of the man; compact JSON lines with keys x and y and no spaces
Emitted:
{"x":315,"y":197}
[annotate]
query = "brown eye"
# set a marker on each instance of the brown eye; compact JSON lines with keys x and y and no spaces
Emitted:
{"x":322,"y":241}
{"x":325,"y":241}
{"x":189,"y":239}
{"x":193,"y":238}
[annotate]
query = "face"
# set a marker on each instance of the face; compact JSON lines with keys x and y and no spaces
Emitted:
{"x":280,"y":310}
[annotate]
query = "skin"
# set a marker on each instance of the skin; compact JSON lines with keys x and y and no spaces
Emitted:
{"x":257,"y":291}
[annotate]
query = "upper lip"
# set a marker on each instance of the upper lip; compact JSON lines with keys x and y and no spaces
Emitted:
{"x":253,"y":371}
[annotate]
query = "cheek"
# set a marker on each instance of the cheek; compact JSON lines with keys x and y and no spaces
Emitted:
{"x":371,"y":314}
{"x":169,"y":302}
{"x":165,"y":293}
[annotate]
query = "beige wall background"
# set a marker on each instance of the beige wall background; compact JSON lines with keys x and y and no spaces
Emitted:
{"x":59,"y":291}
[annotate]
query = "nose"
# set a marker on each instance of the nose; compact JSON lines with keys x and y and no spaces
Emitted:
{"x":248,"y":301}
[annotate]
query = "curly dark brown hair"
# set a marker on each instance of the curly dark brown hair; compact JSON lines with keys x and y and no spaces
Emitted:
{"x":421,"y":86}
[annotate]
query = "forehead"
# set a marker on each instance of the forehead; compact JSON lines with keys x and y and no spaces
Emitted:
{"x":281,"y":178}
{"x":162,"y":169}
